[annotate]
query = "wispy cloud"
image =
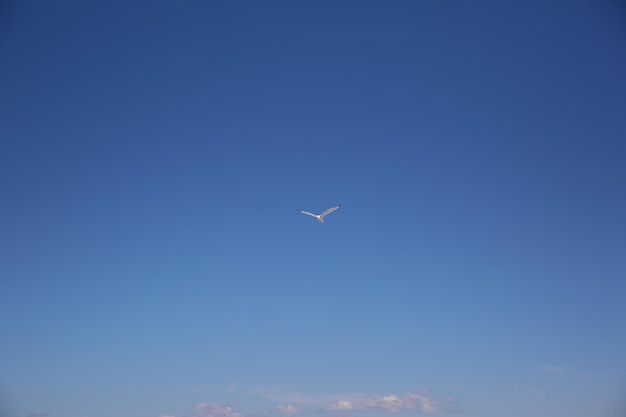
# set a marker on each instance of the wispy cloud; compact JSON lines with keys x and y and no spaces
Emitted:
{"x":214,"y":410}
{"x":292,"y":403}
{"x":288,"y":409}
{"x":420,"y":401}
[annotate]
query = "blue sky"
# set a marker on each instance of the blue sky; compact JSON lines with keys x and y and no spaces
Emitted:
{"x":152,"y":155}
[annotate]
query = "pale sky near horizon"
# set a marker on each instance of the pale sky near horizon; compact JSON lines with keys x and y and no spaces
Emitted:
{"x":152,"y":156}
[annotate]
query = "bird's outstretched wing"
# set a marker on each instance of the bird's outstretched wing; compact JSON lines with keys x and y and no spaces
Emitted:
{"x":306,"y":212}
{"x":330,"y":210}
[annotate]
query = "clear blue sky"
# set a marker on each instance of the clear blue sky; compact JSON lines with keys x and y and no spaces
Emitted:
{"x":152,"y":155}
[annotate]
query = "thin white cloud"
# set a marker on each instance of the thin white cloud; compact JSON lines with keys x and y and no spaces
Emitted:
{"x":214,"y":410}
{"x":342,"y":405}
{"x":421,"y":401}
{"x":288,"y":409}
{"x":291,"y":403}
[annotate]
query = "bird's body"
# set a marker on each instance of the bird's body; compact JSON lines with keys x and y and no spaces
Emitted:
{"x":320,"y":217}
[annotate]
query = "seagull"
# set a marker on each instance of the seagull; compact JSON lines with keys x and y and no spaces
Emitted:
{"x":320,"y":217}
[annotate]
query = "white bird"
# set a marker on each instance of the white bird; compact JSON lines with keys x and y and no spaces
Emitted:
{"x":320,"y":217}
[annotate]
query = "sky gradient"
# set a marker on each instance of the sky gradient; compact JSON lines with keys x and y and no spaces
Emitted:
{"x":152,"y":156}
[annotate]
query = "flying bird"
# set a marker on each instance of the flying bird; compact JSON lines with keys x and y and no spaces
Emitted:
{"x":320,"y":217}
